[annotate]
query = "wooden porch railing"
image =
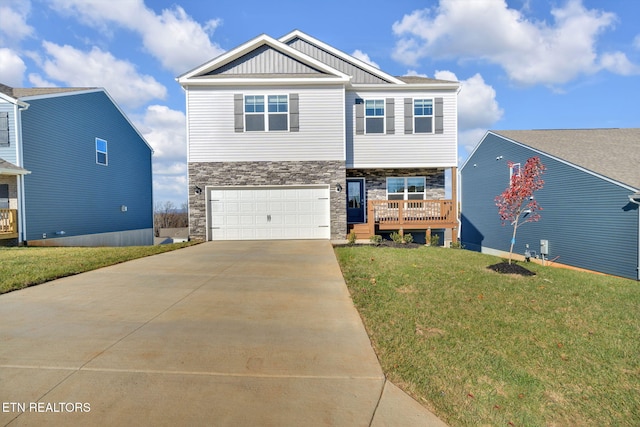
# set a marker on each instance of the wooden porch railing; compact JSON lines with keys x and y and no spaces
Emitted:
{"x":410,"y":215}
{"x":8,"y":223}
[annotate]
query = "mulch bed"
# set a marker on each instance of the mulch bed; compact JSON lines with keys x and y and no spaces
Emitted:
{"x":513,"y":268}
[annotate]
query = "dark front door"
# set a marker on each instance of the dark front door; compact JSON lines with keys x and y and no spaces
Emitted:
{"x":355,"y":200}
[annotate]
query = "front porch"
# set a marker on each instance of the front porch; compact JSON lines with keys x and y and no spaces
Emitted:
{"x":403,"y":215}
{"x":8,"y":224}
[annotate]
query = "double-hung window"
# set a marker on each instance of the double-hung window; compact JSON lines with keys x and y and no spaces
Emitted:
{"x":423,"y":115}
{"x":275,"y":117}
{"x":374,"y":115}
{"x":514,"y":172}
{"x":409,"y":188}
{"x":254,"y":112}
{"x":101,"y":152}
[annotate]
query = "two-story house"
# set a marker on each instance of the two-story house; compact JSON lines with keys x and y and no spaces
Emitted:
{"x":291,"y":138}
{"x":74,"y":171}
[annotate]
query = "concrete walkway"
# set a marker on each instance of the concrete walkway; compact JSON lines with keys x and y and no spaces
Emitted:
{"x":218,"y":334}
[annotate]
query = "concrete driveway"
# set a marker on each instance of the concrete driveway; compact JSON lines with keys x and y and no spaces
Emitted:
{"x":224,"y":333}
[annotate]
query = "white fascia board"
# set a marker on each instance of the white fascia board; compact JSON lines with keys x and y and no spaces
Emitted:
{"x":257,"y":81}
{"x":407,"y":86}
{"x":474,"y":150}
{"x":340,"y":54}
{"x":252,"y":45}
{"x":566,"y":162}
{"x":14,"y":101}
{"x":84,"y":92}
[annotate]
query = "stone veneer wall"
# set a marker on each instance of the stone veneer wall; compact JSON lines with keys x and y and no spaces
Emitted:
{"x":205,"y":174}
{"x":376,"y":181}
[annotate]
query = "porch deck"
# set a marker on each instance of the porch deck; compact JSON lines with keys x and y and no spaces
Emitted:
{"x":401,"y":215}
{"x":8,"y":223}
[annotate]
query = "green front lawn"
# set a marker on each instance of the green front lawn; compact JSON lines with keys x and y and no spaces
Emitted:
{"x":480,"y":348}
{"x":27,"y":266}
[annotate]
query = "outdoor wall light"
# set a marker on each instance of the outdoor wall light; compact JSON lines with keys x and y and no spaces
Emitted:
{"x":338,"y":188}
{"x":499,"y":158}
{"x":197,"y":190}
{"x":60,"y":233}
{"x":123,"y":208}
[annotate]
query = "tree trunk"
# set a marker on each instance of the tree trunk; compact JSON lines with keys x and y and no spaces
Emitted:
{"x":513,"y":238}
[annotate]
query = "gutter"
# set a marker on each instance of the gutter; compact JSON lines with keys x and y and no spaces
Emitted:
{"x":635,"y":198}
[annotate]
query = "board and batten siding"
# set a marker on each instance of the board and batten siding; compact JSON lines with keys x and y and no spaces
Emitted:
{"x":66,"y":190}
{"x":212,"y":136}
{"x":10,"y":152}
{"x":588,"y":220}
{"x":401,"y":150}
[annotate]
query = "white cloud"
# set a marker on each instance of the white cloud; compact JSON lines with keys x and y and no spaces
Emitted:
{"x":173,"y":37}
{"x":98,"y":68}
{"x":12,"y":68}
{"x":618,"y":63}
{"x":13,"y":19}
{"x":358,"y":54}
{"x":530,"y":51}
{"x":164,"y":130}
{"x":477,"y":104}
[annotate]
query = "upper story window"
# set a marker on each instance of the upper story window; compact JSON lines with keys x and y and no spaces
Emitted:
{"x":266,"y":113}
{"x":273,"y":118}
{"x":407,"y":188}
{"x":101,"y":152}
{"x":423,"y":115}
{"x":374,"y":115}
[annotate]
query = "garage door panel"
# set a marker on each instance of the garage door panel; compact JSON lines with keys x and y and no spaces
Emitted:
{"x":261,"y":213}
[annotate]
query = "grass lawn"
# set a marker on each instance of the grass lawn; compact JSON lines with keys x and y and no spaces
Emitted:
{"x":27,"y":266}
{"x":561,"y":348}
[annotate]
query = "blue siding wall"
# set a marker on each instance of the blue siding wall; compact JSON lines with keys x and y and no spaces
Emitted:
{"x":588,"y":221}
{"x":66,"y":190}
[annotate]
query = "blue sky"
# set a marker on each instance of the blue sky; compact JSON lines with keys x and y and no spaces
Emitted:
{"x":523,"y":64}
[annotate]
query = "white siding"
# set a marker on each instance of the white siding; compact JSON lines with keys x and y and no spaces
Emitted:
{"x":10,"y":153}
{"x":212,"y":138}
{"x":399,"y":149}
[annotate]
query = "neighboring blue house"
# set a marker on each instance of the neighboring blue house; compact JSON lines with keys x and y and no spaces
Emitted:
{"x":74,"y":171}
{"x":590,"y":198}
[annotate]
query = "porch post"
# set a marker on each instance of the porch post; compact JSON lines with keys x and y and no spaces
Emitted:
{"x":454,"y":201}
{"x":371,"y":220}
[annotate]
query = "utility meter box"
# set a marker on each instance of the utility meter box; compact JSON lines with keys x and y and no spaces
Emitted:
{"x":544,"y":247}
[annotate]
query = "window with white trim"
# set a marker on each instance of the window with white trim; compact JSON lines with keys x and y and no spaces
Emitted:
{"x":275,"y":117}
{"x":406,"y":188}
{"x":514,"y":170}
{"x":374,"y":115}
{"x":423,"y":115}
{"x":101,"y":152}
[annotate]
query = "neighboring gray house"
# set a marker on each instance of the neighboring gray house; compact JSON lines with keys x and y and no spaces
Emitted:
{"x":292,"y":138}
{"x":73,"y":170}
{"x":590,"y":215}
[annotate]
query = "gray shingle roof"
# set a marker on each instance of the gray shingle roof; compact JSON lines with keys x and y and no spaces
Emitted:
{"x":16,"y":92}
{"x":614,"y":153}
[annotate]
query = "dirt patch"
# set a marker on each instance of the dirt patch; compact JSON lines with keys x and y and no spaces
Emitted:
{"x":513,"y":268}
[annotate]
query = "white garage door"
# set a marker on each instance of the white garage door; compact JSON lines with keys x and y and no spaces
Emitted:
{"x":264,"y":213}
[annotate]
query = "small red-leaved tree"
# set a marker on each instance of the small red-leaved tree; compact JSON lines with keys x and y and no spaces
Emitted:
{"x":516,"y":204}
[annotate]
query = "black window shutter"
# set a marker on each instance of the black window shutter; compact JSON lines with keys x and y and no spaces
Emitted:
{"x":4,"y":129}
{"x":408,"y":115}
{"x":390,"y":114}
{"x":439,"y":122}
{"x":238,"y":112}
{"x":360,"y":119}
{"x":294,"y":112}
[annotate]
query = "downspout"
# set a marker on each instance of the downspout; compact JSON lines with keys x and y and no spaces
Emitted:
{"x":22,"y":216}
{"x":635,"y":198}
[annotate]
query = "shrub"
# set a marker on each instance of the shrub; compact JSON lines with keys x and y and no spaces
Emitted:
{"x":376,"y":240}
{"x":351,"y":238}
{"x":435,"y":240}
{"x":408,"y":238}
{"x":397,"y":237}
